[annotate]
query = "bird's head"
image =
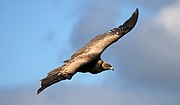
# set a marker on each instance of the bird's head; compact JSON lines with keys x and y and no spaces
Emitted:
{"x":107,"y":66}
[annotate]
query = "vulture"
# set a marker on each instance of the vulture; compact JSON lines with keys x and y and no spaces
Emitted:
{"x":88,"y":58}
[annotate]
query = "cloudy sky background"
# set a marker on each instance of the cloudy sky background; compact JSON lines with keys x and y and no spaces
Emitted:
{"x":37,"y":35}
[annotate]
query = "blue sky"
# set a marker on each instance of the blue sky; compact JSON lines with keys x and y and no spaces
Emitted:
{"x":29,"y":38}
{"x":37,"y":35}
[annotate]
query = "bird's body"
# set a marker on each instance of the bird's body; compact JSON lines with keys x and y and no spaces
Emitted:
{"x":88,"y":58}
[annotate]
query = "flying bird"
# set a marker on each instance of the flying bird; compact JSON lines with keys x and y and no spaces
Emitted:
{"x":88,"y":58}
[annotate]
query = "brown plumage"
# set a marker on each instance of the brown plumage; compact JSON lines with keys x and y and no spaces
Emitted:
{"x":88,"y":58}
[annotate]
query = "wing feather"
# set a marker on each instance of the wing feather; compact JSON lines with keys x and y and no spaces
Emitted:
{"x":98,"y":44}
{"x":66,"y":71}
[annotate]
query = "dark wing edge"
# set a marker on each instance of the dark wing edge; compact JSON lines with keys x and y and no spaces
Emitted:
{"x":128,"y":24}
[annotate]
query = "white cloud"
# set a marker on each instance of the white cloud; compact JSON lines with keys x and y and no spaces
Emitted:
{"x":169,"y":18}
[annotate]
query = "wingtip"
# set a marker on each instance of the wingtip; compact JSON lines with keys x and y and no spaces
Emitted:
{"x":131,"y":22}
{"x":128,"y":25}
{"x":136,"y":13}
{"x":137,"y":10}
{"x":135,"y":16}
{"x":40,"y":90}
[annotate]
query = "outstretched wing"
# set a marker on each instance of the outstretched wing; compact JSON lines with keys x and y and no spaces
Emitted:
{"x":64,"y":72}
{"x":98,"y":44}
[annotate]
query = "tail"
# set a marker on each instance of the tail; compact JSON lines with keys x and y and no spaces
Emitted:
{"x":128,"y":24}
{"x":49,"y":80}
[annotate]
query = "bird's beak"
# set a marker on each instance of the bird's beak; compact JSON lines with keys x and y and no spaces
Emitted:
{"x":112,"y":68}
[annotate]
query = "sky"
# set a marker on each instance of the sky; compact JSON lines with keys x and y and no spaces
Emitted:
{"x":36,"y":36}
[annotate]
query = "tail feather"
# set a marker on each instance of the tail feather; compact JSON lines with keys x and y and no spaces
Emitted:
{"x":49,"y":80}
